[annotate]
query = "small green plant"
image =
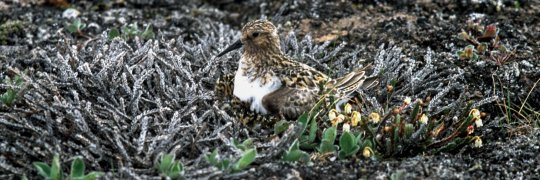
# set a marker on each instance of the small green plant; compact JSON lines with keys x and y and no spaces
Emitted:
{"x":9,"y":29}
{"x":468,"y":53}
{"x":228,"y":164}
{"x":295,"y":154}
{"x":10,"y":95}
{"x":327,"y":142}
{"x":54,"y":172}
{"x":486,"y":45}
{"x":131,"y":31}
{"x":76,"y":27}
{"x":402,"y":130}
{"x":280,"y":127}
{"x":348,"y":144}
{"x":169,"y":167}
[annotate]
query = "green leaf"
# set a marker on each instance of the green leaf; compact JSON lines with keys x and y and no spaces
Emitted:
{"x":166,"y":162}
{"x":75,"y":26}
{"x":415,"y":111}
{"x":247,"y":144}
{"x":17,"y":80}
{"x":330,"y":134}
{"x":43,"y":169}
{"x":224,"y":164}
{"x":175,"y":170}
{"x":303,"y":119}
{"x":409,"y":129}
{"x":56,"y":169}
{"x":246,"y":159}
{"x":92,"y":175}
{"x":296,"y":155}
{"x":326,"y":147}
{"x":327,"y":143}
{"x":348,"y":145}
{"x":347,"y":142}
{"x":8,"y":97}
{"x":77,"y":167}
{"x":212,"y":158}
{"x":148,"y":33}
{"x":313,"y":131}
{"x":281,"y":126}
{"x":113,"y":33}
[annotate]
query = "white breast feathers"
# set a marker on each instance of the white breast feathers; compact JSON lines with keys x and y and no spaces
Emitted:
{"x":253,"y":91}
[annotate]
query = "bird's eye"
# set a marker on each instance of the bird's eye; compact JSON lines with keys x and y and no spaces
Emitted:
{"x":255,"y":34}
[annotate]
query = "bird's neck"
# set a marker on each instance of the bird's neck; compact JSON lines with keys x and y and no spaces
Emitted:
{"x":263,"y":58}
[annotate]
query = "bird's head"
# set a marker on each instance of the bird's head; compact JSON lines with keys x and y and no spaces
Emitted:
{"x":257,"y":36}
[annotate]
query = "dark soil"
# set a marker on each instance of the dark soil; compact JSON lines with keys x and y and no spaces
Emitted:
{"x":120,"y":103}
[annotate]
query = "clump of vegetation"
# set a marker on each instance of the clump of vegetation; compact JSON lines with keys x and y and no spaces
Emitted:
{"x":131,"y":31}
{"x":9,"y":96}
{"x":76,"y":27}
{"x":485,"y":45}
{"x":54,"y":171}
{"x":169,"y":167}
{"x":234,"y":164}
{"x":405,"y":130}
{"x":8,"y":29}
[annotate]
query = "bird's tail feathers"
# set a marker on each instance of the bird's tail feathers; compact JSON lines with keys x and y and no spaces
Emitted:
{"x":352,"y":81}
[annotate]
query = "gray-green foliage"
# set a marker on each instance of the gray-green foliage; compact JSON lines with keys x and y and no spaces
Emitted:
{"x":76,"y":26}
{"x":327,"y":142}
{"x":234,"y":164}
{"x":9,"y":96}
{"x":169,"y":167}
{"x":348,"y":145}
{"x":130,"y":31}
{"x":54,"y":171}
{"x":295,"y":154}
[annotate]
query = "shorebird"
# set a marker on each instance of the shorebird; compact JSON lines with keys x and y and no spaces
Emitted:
{"x":272,"y":83}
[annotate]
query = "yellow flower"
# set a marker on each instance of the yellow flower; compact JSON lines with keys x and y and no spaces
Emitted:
{"x":332,"y":114}
{"x":355,"y":118}
{"x":346,"y":127}
{"x":374,"y":117}
{"x":337,"y":120}
{"x":477,"y":142}
{"x":348,"y":108}
{"x":476,"y":117}
{"x":423,"y":119}
{"x":366,"y":152}
{"x":475,"y":113}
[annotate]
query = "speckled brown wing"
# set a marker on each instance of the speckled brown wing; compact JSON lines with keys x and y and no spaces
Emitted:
{"x":290,"y":102}
{"x":300,"y":89}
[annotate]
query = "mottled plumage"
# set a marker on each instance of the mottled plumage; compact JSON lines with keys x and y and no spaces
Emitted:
{"x":272,"y":83}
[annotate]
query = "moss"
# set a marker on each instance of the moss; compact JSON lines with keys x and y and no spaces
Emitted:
{"x":8,"y":29}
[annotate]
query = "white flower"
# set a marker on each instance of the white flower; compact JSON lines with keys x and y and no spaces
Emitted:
{"x":337,"y":120}
{"x":477,"y":142}
{"x":407,"y":100}
{"x":346,"y":127}
{"x":332,"y":114}
{"x":478,"y":123}
{"x":348,"y":108}
{"x":423,"y":119}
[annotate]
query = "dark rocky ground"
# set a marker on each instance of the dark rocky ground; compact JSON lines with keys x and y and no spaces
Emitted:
{"x":120,"y":103}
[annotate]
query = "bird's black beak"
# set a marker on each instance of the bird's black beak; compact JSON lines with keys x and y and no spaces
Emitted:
{"x":235,"y":45}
